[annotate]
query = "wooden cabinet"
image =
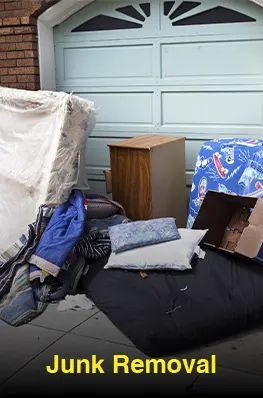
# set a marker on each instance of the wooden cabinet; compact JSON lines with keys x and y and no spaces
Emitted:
{"x":148,"y":177}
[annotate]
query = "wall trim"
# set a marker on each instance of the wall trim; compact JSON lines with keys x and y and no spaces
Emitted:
{"x":46,"y":22}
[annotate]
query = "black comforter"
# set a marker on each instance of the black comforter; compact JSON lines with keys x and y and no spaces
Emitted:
{"x":171,"y":311}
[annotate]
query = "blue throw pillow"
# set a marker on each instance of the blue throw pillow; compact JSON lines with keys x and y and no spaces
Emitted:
{"x":142,"y":233}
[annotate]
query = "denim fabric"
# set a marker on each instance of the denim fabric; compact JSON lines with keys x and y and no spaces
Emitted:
{"x":65,"y":283}
{"x":20,"y":304}
{"x":26,"y":300}
{"x":142,"y":233}
{"x":23,"y":309}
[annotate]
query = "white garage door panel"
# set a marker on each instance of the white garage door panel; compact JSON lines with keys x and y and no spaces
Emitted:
{"x":165,"y":75}
{"x":108,"y":62}
{"x":98,"y":152}
{"x":222,"y":109}
{"x":212,"y":59}
{"x":122,"y":108}
{"x":97,"y":186}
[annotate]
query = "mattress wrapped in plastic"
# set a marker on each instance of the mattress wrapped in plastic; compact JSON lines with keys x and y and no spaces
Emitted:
{"x":41,"y":136}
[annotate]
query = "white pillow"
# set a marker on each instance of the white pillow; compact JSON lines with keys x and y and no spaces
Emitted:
{"x":175,"y":255}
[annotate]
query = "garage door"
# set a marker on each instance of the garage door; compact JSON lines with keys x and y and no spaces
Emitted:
{"x":192,"y":68}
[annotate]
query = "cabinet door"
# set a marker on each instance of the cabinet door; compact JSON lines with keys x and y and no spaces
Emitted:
{"x":131,"y":184}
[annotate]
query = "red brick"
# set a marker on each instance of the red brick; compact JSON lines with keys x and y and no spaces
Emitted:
{"x":14,"y":5}
{"x":25,"y":29}
{"x":31,"y":54}
{"x":22,"y":86}
{"x":18,"y":85}
{"x":27,"y":78}
{"x":11,"y":21}
{"x":13,"y":38}
{"x":15,"y":54}
{"x":18,"y":42}
{"x":7,"y":46}
{"x":14,"y":85}
{"x":30,"y":70}
{"x":33,"y":86}
{"x":26,"y":46}
{"x":28,"y":21}
{"x":6,"y":31}
{"x":7,"y":63}
{"x":8,"y":79}
{"x":29,"y":37}
{"x":29,"y":4}
{"x":3,"y":71}
{"x":27,"y":62}
{"x":12,"y":13}
{"x":25,"y":20}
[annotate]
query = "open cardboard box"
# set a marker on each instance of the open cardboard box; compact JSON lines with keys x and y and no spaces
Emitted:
{"x":234,"y":223}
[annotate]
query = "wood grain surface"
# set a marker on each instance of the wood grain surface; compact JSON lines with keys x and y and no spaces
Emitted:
{"x":131,"y":181}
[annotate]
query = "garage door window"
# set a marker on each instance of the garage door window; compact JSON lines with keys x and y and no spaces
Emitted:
{"x":186,"y":13}
{"x":107,"y":22}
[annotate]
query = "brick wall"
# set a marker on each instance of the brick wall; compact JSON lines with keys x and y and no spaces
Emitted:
{"x":18,"y":42}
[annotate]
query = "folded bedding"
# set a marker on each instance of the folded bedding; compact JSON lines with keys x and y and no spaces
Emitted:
{"x":170,"y":311}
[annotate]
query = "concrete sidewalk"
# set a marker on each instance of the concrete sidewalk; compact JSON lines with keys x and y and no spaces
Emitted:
{"x":25,"y":352}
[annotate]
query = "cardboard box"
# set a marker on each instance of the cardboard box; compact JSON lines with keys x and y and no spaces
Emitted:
{"x":235,"y":224}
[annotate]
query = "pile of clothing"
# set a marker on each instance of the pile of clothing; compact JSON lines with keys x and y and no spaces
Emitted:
{"x":46,"y":264}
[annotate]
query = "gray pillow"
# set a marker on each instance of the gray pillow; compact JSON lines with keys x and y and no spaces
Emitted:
{"x":141,"y":233}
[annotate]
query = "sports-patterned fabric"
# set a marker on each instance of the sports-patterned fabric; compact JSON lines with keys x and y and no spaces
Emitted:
{"x":227,"y":165}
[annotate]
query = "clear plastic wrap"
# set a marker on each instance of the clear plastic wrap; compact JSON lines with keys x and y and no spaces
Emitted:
{"x":41,"y":136}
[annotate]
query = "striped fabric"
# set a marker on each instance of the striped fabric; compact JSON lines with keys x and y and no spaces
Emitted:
{"x":12,"y":251}
{"x":94,"y":245}
{"x":18,"y":254}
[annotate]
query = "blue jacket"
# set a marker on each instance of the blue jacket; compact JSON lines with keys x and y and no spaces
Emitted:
{"x":61,"y":235}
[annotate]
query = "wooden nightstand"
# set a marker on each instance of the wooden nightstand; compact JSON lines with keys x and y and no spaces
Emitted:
{"x":148,"y":177}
